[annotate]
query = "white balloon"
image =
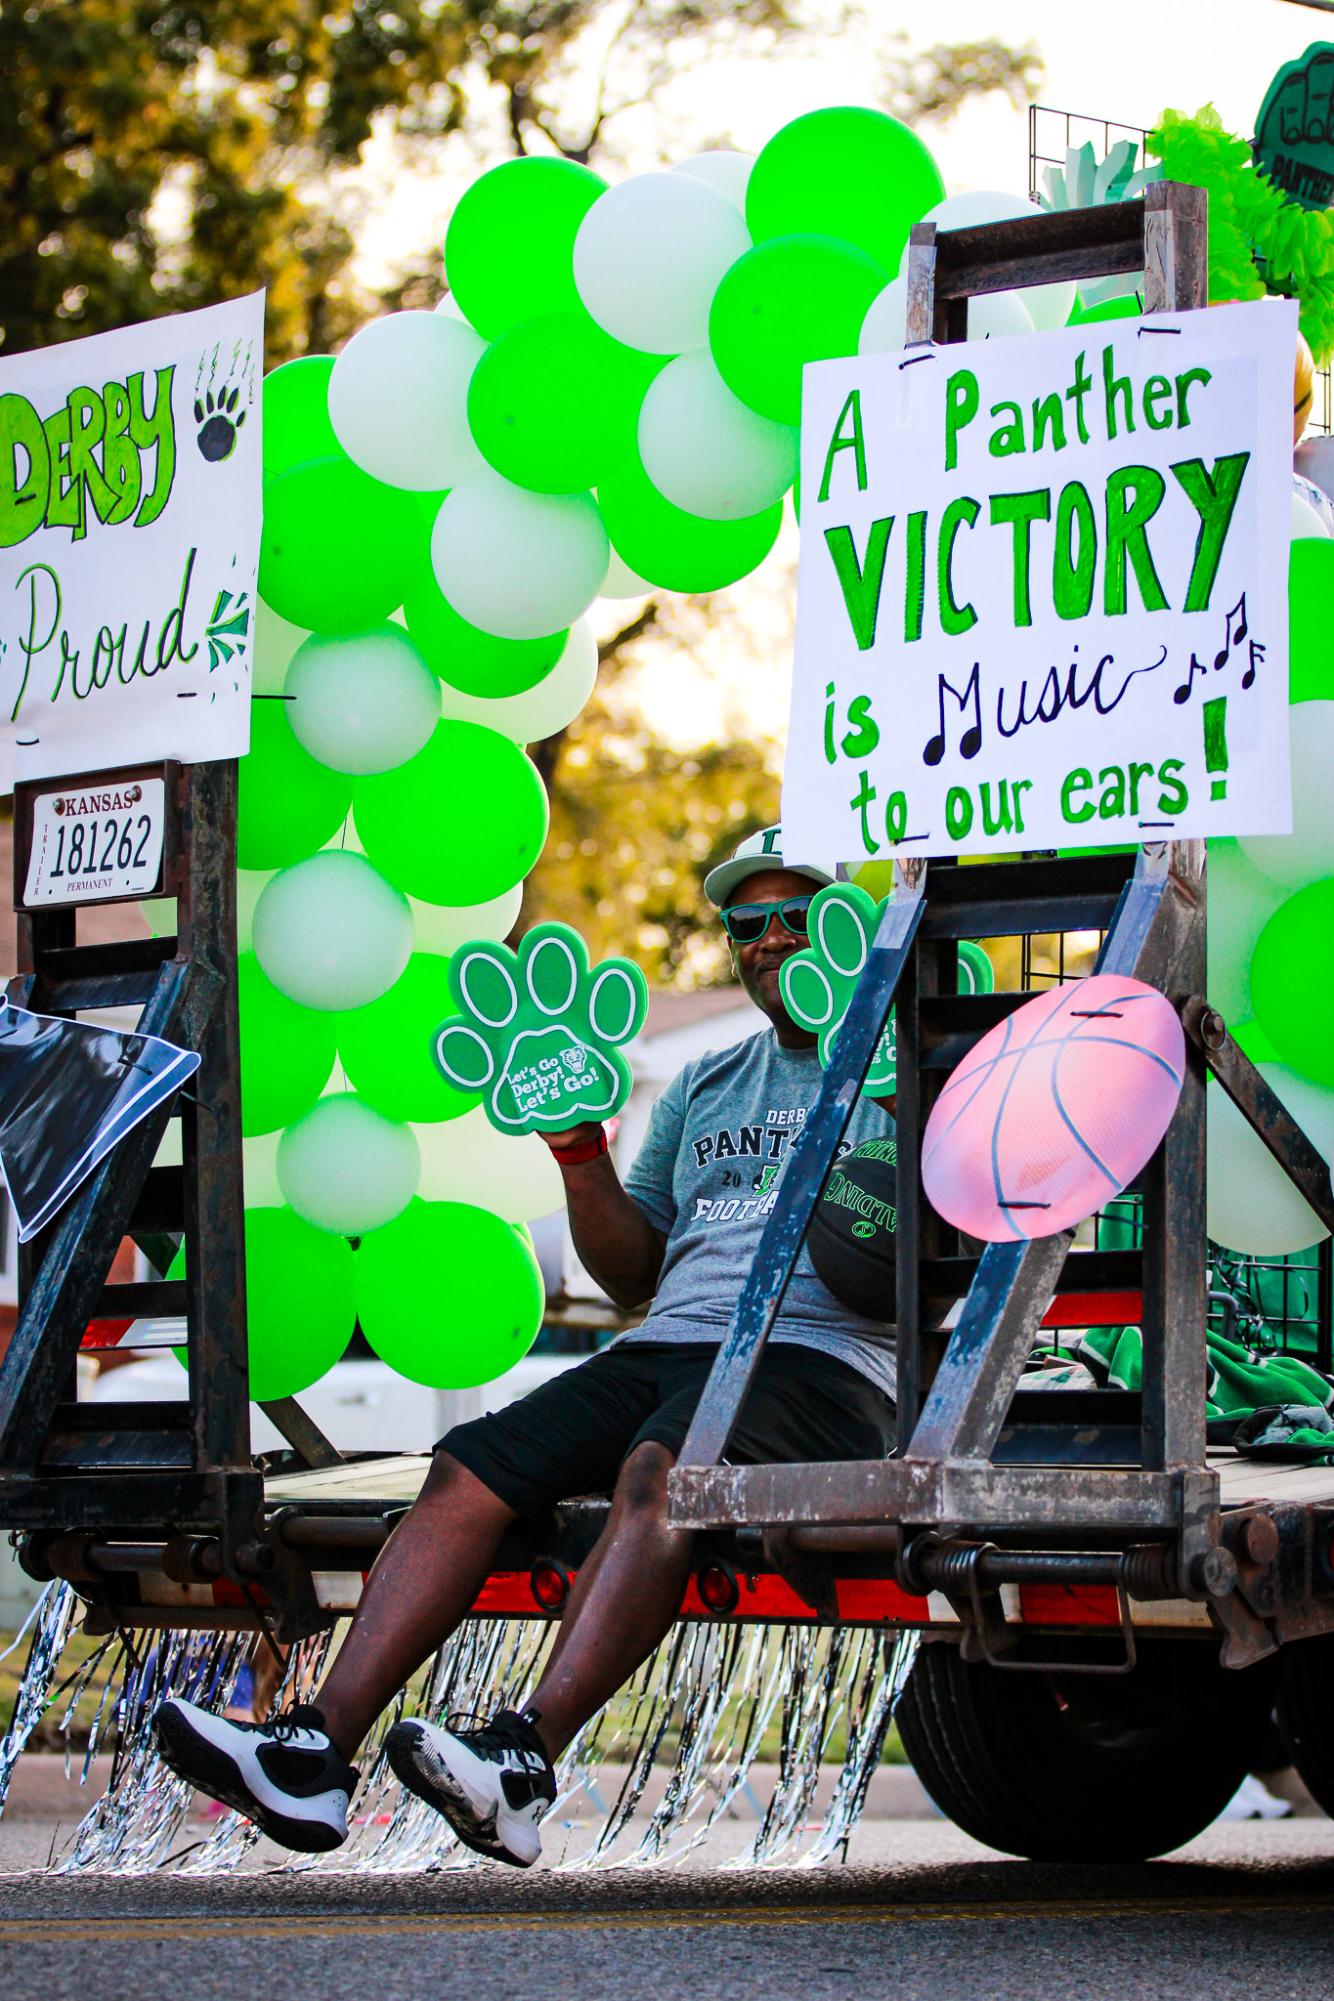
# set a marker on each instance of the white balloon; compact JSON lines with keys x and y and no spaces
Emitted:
{"x":727,"y":173}
{"x":990,"y":317}
{"x":362,"y":701}
{"x":1307,"y":853}
{"x":978,"y":206}
{"x":1252,"y":1206}
{"x":346,"y":1168}
{"x":259,"y":1168}
{"x":160,"y":914}
{"x":250,"y":886}
{"x":467,"y":1160}
{"x":623,"y":582}
{"x":518,"y":564}
{"x":885,"y":328}
{"x":650,"y":255}
{"x":398,"y":399}
{"x":1048,"y":306}
{"x":1304,"y":521}
{"x":275,"y":642}
{"x":331,"y":933}
{"x":705,"y":451}
{"x":540,"y":711}
{"x":443,"y":927}
{"x":1240,"y":903}
{"x":996,"y":315}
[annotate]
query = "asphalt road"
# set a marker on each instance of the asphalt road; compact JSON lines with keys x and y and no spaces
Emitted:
{"x":920,"y":1912}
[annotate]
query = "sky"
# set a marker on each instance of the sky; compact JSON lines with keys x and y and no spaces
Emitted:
{"x":1126,"y":62}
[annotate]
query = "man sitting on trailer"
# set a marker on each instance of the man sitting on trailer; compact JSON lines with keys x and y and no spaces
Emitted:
{"x":683,"y":1231}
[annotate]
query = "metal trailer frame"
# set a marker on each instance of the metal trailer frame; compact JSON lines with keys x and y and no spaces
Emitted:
{"x":132,"y":1467}
{"x":1008,"y":1520}
{"x":937,"y":1505}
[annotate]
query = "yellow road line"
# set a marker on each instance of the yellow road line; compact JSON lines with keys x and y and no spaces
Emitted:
{"x":32,"y":1931}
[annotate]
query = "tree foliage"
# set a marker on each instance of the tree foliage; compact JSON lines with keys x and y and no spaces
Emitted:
{"x":155,"y":157}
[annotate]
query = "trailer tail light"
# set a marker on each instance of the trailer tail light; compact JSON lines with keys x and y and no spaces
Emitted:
{"x":549,"y":1583}
{"x":719,"y":1591}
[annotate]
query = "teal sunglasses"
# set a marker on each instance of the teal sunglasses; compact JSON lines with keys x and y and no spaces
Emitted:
{"x":745,"y":923}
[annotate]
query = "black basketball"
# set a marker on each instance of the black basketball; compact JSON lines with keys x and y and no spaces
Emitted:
{"x":852,"y":1234}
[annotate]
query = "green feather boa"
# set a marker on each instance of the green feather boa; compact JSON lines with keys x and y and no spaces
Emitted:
{"x":1259,"y":240}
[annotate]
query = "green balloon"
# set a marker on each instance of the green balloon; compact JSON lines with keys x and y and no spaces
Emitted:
{"x":461,"y":822}
{"x":449,"y":1336}
{"x":287,"y":1052}
{"x":673,"y":549}
{"x":791,"y":300}
{"x":1310,"y":641}
{"x":1252,"y":1041}
{"x":853,"y":173}
{"x":300,"y":1301}
{"x":386,"y":1047}
{"x":1293,"y":965}
{"x":337,"y":546}
{"x":509,"y":248}
{"x":1131,"y":308}
{"x":555,"y":400}
{"x":296,"y":415}
{"x":288,"y":805}
{"x":475,"y":662}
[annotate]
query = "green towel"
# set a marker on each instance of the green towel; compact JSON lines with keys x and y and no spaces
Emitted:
{"x":1239,"y":1379}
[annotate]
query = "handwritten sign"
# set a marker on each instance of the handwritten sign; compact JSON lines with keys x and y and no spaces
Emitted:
{"x":129,"y":544}
{"x":1042,"y":594}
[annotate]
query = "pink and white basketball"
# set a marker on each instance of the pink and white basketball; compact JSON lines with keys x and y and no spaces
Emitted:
{"x":1056,"y":1109}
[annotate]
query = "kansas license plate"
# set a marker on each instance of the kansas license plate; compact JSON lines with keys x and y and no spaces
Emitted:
{"x":95,"y":842}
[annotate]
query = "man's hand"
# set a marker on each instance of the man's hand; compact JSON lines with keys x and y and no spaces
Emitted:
{"x":614,"y":1238}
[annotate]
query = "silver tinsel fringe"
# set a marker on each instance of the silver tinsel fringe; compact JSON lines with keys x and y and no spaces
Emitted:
{"x":694,"y":1718}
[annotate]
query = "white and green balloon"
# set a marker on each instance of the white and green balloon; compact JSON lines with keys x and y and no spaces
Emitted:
{"x":345,"y":1168}
{"x":651,"y":253}
{"x":398,"y":400}
{"x":541,"y":710}
{"x":516,"y":563}
{"x":331,"y":933}
{"x":1307,"y":853}
{"x":362,"y":701}
{"x":1241,"y":902}
{"x":1253,"y":1208}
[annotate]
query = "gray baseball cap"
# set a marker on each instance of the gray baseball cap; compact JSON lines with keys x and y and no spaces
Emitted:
{"x":755,"y":855}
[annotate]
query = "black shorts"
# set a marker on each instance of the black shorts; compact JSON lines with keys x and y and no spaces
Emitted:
{"x":570,"y":1435}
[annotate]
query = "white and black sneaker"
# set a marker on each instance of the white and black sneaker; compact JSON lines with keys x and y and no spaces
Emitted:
{"x":492,"y":1785}
{"x":285,"y":1775}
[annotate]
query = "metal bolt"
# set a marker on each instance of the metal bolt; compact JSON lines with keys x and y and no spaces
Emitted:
{"x":1215,"y":1572}
{"x":1213,"y":1029}
{"x":1260,"y":1538}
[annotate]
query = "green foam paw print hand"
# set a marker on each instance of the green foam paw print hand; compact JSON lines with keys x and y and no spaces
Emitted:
{"x":818,"y":984}
{"x":539,"y":1032}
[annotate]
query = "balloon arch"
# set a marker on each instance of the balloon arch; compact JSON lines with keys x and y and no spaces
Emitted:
{"x":606,"y":403}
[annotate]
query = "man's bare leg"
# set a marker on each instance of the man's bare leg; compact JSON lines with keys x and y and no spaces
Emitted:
{"x":422,"y":1586}
{"x":624,"y":1600}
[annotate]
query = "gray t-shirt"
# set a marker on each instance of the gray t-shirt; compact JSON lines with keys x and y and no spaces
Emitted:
{"x":707,"y":1176}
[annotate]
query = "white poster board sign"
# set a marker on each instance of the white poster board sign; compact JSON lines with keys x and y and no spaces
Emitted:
{"x":129,"y":544}
{"x":1042,"y":593}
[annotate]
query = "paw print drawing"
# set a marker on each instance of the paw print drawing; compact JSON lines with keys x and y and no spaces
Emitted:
{"x":818,"y":984}
{"x":218,"y":423}
{"x":539,"y":1032}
